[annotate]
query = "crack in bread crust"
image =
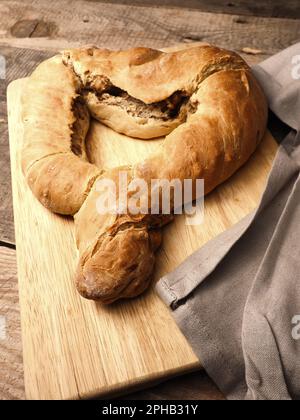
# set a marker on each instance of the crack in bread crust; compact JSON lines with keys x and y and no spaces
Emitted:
{"x":79,"y":127}
{"x":103,"y":98}
{"x":164,"y":110}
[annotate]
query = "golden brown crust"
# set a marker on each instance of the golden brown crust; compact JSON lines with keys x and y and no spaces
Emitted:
{"x":218,"y":138}
{"x":47,"y":111}
{"x":149,"y":75}
{"x":58,"y":178}
{"x":62,"y":182}
{"x":146,"y":77}
{"x":117,"y":251}
{"x":204,"y":99}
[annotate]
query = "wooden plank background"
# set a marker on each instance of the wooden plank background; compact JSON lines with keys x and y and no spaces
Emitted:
{"x":269,"y":8}
{"x":32,"y":30}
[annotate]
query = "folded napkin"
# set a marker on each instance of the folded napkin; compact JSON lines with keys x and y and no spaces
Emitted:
{"x":237,"y":299}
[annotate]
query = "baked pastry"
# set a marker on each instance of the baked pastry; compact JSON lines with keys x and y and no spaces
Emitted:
{"x":206,"y":102}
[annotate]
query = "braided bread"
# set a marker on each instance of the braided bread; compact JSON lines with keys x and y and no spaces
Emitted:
{"x":206,"y":102}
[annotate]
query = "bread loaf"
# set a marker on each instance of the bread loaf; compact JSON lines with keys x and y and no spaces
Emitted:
{"x":206,"y":102}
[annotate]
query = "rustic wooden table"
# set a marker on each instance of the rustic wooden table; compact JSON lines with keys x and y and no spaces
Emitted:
{"x":31,"y":31}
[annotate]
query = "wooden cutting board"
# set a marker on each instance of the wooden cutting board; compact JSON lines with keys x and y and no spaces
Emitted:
{"x":74,"y":348}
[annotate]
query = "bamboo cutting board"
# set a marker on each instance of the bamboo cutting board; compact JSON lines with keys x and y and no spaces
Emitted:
{"x":74,"y":348}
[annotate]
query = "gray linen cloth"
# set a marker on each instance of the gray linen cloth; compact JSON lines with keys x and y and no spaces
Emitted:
{"x":237,"y":299}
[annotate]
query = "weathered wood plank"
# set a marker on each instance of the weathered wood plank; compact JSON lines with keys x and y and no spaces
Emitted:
{"x":267,"y":8}
{"x":19,"y":63}
{"x":11,"y":364}
{"x":275,"y":8}
{"x":120,"y":26}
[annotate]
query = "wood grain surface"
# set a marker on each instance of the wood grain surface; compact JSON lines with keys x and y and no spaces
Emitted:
{"x":193,"y":386}
{"x":122,"y":26}
{"x":271,"y":8}
{"x":74,"y":348}
{"x":11,"y":363}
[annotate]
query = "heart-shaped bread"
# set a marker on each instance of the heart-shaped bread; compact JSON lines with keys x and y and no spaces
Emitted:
{"x":206,"y":102}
